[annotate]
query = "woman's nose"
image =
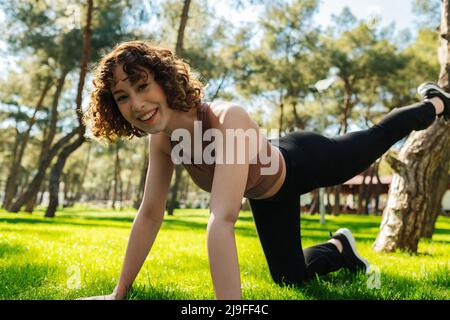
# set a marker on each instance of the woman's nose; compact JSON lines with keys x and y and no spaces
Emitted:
{"x":138,"y":108}
{"x":137,"y":105}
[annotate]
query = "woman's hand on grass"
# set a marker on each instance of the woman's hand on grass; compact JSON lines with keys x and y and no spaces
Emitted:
{"x":111,"y":296}
{"x":115,"y":295}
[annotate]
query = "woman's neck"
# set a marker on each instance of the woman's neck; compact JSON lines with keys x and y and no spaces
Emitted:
{"x":182,"y":120}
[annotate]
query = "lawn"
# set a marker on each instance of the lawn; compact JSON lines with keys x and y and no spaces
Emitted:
{"x":80,"y":252}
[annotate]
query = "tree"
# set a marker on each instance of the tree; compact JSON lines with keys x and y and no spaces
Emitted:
{"x":40,"y":81}
{"x":284,"y":63}
{"x":188,"y":30}
{"x":421,"y":176}
{"x":56,"y":48}
{"x":362,"y":58}
{"x":143,"y":174}
{"x":46,"y":29}
{"x":68,"y":149}
{"x":118,"y":184}
{"x":172,"y":203}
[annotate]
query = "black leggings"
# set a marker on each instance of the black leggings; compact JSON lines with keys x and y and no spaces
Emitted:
{"x":314,"y":161}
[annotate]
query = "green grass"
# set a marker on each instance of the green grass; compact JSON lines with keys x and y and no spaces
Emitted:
{"x":47,"y":258}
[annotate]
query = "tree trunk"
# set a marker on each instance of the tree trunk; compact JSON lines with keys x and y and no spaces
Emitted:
{"x":337,"y":200}
{"x":298,"y":121}
{"x":315,"y":202}
{"x":436,"y":199}
{"x":181,"y":28}
{"x":31,"y":203}
{"x":179,"y":52}
{"x":43,"y":188}
{"x":116,"y":177}
{"x":66,"y":190}
{"x":369,"y":191}
{"x":129,"y":187}
{"x":361,"y":193}
{"x":173,"y":203}
{"x":34,"y":185}
{"x":348,"y":91}
{"x":47,"y":142}
{"x":414,"y":189}
{"x":107,"y":191}
{"x":11,"y":182}
{"x":140,"y":192}
{"x":11,"y":186}
{"x":69,"y":149}
{"x":377,"y":189}
{"x":79,"y":191}
{"x":417,"y":187}
{"x":280,"y":120}
{"x":328,"y":206}
{"x":55,"y":175}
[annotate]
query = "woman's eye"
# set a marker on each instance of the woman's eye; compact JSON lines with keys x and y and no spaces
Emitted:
{"x":121,"y":98}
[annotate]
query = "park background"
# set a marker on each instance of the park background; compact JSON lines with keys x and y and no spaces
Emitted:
{"x":68,"y":201}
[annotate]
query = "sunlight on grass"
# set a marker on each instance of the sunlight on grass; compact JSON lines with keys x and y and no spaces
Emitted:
{"x":80,"y":252}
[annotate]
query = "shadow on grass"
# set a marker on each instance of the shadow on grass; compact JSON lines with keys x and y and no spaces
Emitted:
{"x":180,"y":224}
{"x":172,"y":224}
{"x":183,"y":222}
{"x":99,"y":218}
{"x":62,"y":222}
{"x":441,"y":231}
{"x":168,"y":224}
{"x":56,"y":234}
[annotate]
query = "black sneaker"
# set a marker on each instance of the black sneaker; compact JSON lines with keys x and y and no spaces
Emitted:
{"x":352,"y":259}
{"x":430,"y":90}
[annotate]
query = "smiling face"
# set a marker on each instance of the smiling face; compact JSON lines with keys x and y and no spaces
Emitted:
{"x":143,"y":102}
{"x":136,"y":78}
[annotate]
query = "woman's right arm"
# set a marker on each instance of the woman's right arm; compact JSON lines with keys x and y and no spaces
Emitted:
{"x":149,"y":216}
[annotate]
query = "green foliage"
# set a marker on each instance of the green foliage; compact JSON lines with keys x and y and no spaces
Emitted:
{"x":364,"y":61}
{"x":286,"y":60}
{"x":54,"y":29}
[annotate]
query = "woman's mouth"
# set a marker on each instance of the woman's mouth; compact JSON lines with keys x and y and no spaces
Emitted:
{"x":149,"y":117}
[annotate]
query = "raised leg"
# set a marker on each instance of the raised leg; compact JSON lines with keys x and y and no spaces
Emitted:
{"x":319,"y":161}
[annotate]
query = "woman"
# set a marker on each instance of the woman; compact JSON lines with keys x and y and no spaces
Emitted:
{"x":140,"y":89}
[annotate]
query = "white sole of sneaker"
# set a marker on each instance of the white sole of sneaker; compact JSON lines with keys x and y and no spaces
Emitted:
{"x":348,"y":234}
{"x":430,"y":85}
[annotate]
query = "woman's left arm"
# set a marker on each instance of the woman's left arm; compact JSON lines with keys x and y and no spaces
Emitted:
{"x":227,"y":193}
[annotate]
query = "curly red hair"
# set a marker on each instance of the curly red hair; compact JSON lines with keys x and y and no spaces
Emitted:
{"x":183,"y":91}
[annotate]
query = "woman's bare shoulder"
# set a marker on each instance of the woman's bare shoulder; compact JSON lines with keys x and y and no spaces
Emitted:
{"x":227,"y":110}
